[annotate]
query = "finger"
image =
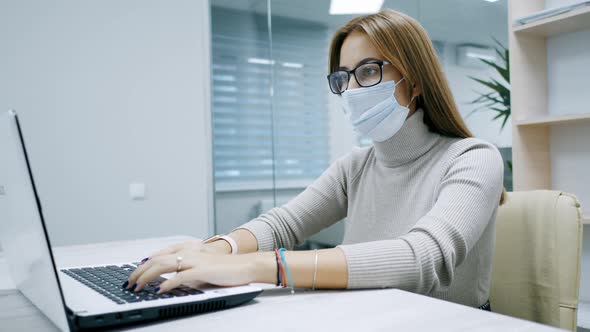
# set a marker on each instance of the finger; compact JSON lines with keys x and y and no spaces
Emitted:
{"x":130,"y":283}
{"x":179,"y":279}
{"x":163,"y":265}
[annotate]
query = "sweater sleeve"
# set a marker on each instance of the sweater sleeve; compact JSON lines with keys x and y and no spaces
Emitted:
{"x":320,"y":205}
{"x":424,"y":260}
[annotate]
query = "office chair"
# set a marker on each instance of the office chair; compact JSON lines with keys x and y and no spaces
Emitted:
{"x":536,"y":266}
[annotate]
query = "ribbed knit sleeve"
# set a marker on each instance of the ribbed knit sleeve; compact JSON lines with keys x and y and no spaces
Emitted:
{"x":320,"y":205}
{"x":425,"y":259}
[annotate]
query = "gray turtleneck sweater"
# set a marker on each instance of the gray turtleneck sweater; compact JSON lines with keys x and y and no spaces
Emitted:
{"x":420,"y":211}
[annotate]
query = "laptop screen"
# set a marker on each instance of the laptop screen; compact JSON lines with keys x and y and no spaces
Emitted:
{"x":23,"y":233}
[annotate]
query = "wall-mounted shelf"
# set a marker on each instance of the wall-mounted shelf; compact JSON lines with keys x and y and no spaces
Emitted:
{"x":575,"y":20}
{"x":551,"y":120}
{"x":549,"y":149}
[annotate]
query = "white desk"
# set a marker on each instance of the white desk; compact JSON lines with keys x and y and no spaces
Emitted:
{"x":276,"y":309}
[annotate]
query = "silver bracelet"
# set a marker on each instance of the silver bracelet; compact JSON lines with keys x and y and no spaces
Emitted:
{"x":315,"y":269}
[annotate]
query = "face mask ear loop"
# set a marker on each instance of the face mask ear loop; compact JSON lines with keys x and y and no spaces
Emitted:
{"x":398,"y":82}
{"x":411,"y":100}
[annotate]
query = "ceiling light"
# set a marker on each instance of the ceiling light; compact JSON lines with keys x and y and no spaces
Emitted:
{"x":261,"y":61}
{"x":481,"y":56}
{"x":292,"y":65}
{"x":469,"y":55}
{"x":347,"y":7}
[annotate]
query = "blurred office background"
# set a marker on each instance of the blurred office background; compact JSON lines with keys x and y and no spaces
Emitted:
{"x":276,"y":126}
{"x":152,"y":118}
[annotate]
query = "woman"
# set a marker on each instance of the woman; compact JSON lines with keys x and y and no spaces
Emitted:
{"x":421,"y":202}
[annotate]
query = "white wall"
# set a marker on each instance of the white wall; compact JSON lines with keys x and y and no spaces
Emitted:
{"x":112,"y":92}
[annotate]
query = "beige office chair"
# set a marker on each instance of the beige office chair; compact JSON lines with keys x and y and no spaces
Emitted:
{"x":536,"y":267}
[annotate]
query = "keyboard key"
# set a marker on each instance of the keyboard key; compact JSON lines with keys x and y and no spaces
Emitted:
{"x":177,"y":292}
{"x":107,"y":280}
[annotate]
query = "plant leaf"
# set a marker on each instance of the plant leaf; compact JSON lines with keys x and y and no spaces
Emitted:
{"x":500,"y":54}
{"x":502,"y":90}
{"x":494,"y":85}
{"x":502,"y":71}
{"x":503,"y":111}
{"x":507,"y":115}
{"x":499,"y":115}
{"x":483,"y":97}
{"x":508,"y":64}
{"x":498,"y":43}
{"x":494,"y":99}
{"x":498,"y":100}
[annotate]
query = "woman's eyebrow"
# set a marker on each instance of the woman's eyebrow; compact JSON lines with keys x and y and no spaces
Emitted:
{"x":362,"y":62}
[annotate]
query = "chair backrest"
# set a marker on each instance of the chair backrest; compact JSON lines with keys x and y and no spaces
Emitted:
{"x":536,"y":266}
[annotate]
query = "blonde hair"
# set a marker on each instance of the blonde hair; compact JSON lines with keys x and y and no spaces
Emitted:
{"x":406,"y":45}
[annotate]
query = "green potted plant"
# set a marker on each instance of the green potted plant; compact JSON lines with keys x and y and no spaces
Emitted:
{"x":498,"y":99}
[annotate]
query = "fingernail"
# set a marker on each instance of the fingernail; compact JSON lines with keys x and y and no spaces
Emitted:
{"x":144,"y":260}
{"x":125,"y":284}
{"x":157,"y":289}
{"x":133,"y":287}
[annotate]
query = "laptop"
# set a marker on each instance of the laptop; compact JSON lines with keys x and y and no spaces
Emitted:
{"x":80,"y":297}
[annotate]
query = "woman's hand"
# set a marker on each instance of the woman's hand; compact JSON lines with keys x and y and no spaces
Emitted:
{"x":187,"y":247}
{"x":220,"y":270}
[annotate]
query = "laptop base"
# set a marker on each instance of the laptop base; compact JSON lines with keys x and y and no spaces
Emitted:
{"x":135,"y":316}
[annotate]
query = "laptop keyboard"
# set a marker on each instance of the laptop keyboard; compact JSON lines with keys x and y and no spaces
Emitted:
{"x":107,"y":280}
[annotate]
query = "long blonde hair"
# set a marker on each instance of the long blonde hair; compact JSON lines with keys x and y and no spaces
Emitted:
{"x":406,"y":45}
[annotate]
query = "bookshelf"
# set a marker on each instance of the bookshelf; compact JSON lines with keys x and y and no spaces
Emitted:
{"x":548,"y":136}
{"x":575,"y":20}
{"x":551,"y":120}
{"x":533,"y":121}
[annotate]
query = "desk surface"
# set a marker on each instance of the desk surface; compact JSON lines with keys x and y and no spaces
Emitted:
{"x":362,"y":310}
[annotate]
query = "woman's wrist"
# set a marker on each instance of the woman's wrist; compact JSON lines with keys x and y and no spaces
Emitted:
{"x":217,"y":247}
{"x":264,"y":267}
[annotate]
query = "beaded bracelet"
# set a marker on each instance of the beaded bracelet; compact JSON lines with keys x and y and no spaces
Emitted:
{"x":281,"y":250}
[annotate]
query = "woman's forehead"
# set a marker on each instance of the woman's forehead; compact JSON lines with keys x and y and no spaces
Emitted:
{"x":355,"y":48}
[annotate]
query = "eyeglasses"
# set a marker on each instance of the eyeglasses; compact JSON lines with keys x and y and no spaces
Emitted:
{"x":366,"y":75}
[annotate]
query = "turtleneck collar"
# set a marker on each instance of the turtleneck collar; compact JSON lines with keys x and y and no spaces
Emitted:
{"x":411,"y":142}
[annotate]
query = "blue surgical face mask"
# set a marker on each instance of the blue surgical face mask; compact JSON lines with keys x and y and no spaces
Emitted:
{"x":374,"y":112}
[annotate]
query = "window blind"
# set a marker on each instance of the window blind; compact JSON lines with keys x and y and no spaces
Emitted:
{"x":257,"y":137}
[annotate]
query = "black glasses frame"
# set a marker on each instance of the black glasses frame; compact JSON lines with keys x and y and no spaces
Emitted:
{"x":353,"y":73}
